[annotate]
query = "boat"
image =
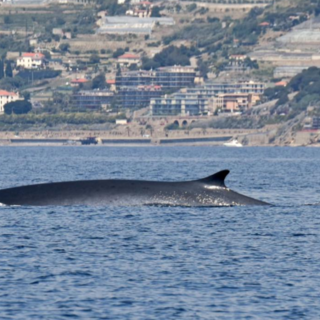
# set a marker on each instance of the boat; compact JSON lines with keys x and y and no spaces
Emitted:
{"x":233,"y":143}
{"x":89,"y":140}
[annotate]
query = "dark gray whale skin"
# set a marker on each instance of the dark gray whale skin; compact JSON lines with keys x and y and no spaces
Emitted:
{"x":210,"y":191}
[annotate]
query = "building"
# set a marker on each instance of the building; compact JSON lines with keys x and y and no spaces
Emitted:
{"x":30,"y":60}
{"x":6,"y":97}
{"x":288,"y":71}
{"x":78,"y":82}
{"x":235,"y":102}
{"x":93,"y":99}
{"x":211,"y":89}
{"x":205,"y":99}
{"x":138,"y":97}
{"x":179,"y":104}
{"x":135,"y":78}
{"x":238,"y":57}
{"x":128,"y":59}
{"x":175,"y":77}
{"x":132,"y":25}
{"x":55,"y":64}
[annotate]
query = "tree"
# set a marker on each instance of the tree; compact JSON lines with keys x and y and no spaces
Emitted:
{"x":156,"y":12}
{"x":119,"y":52}
{"x":1,"y":69}
{"x":64,"y":47}
{"x":17,"y":107}
{"x":9,"y":70}
{"x":47,"y":54}
{"x":99,"y":82}
{"x":26,"y":95}
{"x":7,"y":20}
{"x":94,"y":59}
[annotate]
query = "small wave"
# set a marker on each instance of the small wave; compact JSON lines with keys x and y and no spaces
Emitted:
{"x":6,"y":205}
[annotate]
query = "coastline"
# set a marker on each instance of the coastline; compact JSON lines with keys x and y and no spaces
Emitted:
{"x":248,"y":138}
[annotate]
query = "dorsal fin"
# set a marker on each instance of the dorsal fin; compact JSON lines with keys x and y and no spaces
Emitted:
{"x":216,"y":179}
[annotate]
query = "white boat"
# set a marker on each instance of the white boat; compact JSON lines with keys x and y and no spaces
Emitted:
{"x":233,"y":143}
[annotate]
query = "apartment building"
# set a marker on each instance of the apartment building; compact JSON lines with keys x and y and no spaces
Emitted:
{"x":234,"y":102}
{"x":175,"y":77}
{"x":179,"y":104}
{"x":92,"y":99}
{"x":138,"y":97}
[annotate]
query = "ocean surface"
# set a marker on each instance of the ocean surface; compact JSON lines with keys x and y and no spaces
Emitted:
{"x":163,"y":262}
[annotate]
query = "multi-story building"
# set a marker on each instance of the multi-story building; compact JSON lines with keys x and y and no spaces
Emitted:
{"x":135,"y":78}
{"x":93,"y":99}
{"x":175,"y":77}
{"x":6,"y":97}
{"x":212,"y":89}
{"x":138,"y":97}
{"x":234,"y":102}
{"x":30,"y":60}
{"x":179,"y":104}
{"x":206,"y":99}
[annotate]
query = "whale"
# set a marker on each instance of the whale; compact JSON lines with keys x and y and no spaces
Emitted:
{"x":207,"y":192}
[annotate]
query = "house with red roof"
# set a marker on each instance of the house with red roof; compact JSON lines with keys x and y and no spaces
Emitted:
{"x":264,"y":24}
{"x":31,"y":60}
{"x":128,"y":59}
{"x":6,"y":97}
{"x":281,"y":84}
{"x":78,"y":82}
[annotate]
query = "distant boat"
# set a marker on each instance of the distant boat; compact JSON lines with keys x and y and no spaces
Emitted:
{"x":89,"y":140}
{"x":233,"y":143}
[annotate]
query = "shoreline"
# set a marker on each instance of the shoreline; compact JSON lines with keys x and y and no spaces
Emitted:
{"x":248,"y":138}
{"x":151,"y":145}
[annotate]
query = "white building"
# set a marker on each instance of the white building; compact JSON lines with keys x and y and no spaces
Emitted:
{"x":5,"y":97}
{"x":31,"y":60}
{"x":128,"y":59}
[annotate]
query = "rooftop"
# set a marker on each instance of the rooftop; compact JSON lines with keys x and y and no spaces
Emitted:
{"x":143,"y":88}
{"x":177,"y":69}
{"x":33,"y":55}
{"x":81,"y":80}
{"x":95,"y":93}
{"x":128,"y":56}
{"x":281,"y":84}
{"x":7,"y":93}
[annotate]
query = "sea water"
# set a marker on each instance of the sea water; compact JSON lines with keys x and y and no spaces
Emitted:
{"x":163,"y":262}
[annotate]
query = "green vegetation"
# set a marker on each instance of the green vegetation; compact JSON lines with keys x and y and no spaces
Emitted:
{"x":12,"y":84}
{"x":99,"y":82}
{"x":307,"y":86}
{"x":17,"y":107}
{"x":33,"y":75}
{"x":119,"y":52}
{"x":156,"y":12}
{"x":1,"y":70}
{"x":112,"y":6}
{"x":47,"y":121}
{"x":170,"y":56}
{"x":8,"y":71}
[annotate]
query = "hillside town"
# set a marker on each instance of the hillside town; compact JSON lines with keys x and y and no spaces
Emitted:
{"x":160,"y":71}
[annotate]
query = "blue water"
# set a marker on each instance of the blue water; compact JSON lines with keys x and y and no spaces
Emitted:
{"x":163,"y":262}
